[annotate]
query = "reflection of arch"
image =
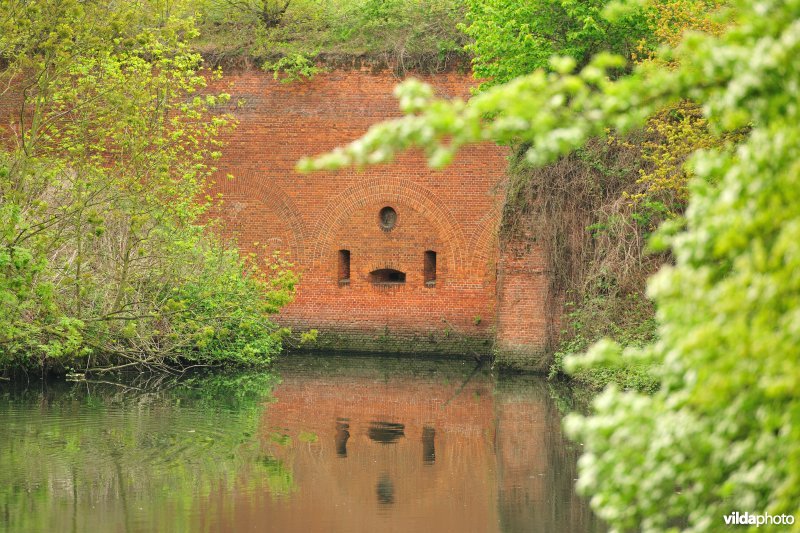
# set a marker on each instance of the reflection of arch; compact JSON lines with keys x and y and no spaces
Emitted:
{"x":484,"y":241}
{"x":276,"y":201}
{"x":397,"y":191}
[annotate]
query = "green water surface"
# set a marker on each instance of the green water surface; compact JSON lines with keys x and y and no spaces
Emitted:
{"x":322,"y":443}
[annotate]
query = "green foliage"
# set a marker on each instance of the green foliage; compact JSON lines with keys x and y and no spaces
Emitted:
{"x":673,"y":134}
{"x":592,"y":240}
{"x":105,"y":254}
{"x":515,"y":37}
{"x":593,"y":243}
{"x":608,"y":301}
{"x":309,"y":337}
{"x":294,"y":36}
{"x":671,"y":19}
{"x":596,"y":188}
{"x":722,"y":431}
{"x":294,"y":67}
{"x":587,"y":327}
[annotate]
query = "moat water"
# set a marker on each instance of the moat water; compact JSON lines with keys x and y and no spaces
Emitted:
{"x":323,"y":444}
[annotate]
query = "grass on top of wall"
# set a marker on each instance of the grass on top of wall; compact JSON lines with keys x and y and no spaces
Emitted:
{"x":293,"y":37}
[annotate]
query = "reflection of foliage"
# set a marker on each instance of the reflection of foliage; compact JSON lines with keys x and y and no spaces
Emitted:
{"x":237,"y":391}
{"x":281,"y":439}
{"x":278,"y":477}
{"x":307,"y":437}
{"x":152,"y":443}
{"x":568,"y":399}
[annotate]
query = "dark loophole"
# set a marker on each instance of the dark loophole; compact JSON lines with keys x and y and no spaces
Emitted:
{"x":388,"y":276}
{"x":388,"y":218}
{"x":344,"y":267}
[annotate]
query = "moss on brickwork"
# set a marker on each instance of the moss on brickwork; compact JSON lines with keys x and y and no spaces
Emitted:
{"x":434,"y":343}
{"x":523,"y":357}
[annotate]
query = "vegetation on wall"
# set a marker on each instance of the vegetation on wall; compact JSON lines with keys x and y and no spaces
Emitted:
{"x":575,"y":212}
{"x":592,"y":212}
{"x":721,"y":433}
{"x":291,"y":36}
{"x":105,"y":257}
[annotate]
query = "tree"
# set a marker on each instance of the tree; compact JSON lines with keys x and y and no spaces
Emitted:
{"x":722,"y":433}
{"x":105,"y":258}
{"x":515,"y":37}
{"x":593,"y":210}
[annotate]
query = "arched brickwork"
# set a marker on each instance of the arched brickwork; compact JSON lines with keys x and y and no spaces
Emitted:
{"x":378,"y":191}
{"x":250,"y":202}
{"x":270,"y":204}
{"x":484,"y":243}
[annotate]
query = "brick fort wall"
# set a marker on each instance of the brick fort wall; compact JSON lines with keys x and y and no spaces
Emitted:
{"x":453,"y":213}
{"x":394,"y":296}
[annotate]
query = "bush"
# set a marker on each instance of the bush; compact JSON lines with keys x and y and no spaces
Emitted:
{"x":107,"y":254}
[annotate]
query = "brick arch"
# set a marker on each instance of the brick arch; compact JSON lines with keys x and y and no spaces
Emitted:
{"x":483,"y":244}
{"x":392,"y":191}
{"x":276,"y":200}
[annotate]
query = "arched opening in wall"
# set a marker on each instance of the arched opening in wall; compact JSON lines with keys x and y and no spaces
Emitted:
{"x":387,"y":276}
{"x":344,"y":267}
{"x":387,"y":218}
{"x":430,"y":268}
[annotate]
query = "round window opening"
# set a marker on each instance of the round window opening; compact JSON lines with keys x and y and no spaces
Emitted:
{"x":388,"y":218}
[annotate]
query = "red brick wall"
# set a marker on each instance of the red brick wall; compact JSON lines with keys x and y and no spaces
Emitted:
{"x":524,"y":321}
{"x":454,"y":212}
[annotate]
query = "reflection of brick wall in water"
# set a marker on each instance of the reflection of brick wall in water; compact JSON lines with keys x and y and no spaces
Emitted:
{"x":536,"y":463}
{"x":432,"y":478}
